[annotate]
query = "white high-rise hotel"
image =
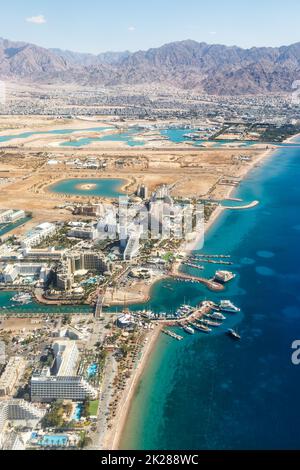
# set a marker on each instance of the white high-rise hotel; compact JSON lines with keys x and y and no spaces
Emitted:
{"x":65,"y":384}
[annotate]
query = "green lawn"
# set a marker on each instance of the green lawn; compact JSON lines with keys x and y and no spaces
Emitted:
{"x":93,"y":408}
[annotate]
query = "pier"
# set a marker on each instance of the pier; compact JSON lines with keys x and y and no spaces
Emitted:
{"x":210,"y":261}
{"x":246,"y":206}
{"x":192,"y":265}
{"x":172,"y":335}
{"x":196,"y":314}
{"x":211,"y":256}
{"x":211,"y":284}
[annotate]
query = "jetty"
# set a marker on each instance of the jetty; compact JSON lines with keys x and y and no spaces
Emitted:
{"x":210,"y":283}
{"x":172,"y":335}
{"x":246,"y":206}
{"x":202,"y":255}
{"x":211,"y":261}
{"x":192,"y":265}
{"x":205,"y":308}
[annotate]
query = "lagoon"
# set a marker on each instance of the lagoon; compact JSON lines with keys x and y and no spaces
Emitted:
{"x":64,"y":132}
{"x":95,"y":187}
{"x":127,"y":137}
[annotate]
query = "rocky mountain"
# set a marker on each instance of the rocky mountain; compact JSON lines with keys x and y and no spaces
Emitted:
{"x":84,"y":59}
{"x":214,"y":69}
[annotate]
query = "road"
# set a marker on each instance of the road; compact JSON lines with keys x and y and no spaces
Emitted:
{"x":106,"y":392}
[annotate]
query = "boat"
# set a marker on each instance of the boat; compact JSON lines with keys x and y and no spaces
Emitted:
{"x":191,"y":136}
{"x":211,"y":323}
{"x":224,"y":276}
{"x":198,"y":327}
{"x":22,"y":298}
{"x":183,"y":311}
{"x":217,"y":316}
{"x":203,"y":328}
{"x":233,"y":334}
{"x":188,"y":329}
{"x":228,"y":306}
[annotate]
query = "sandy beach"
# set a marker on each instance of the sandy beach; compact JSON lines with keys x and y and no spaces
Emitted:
{"x":113,"y":435}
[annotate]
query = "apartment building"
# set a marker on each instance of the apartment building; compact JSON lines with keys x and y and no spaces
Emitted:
{"x":11,"y":375}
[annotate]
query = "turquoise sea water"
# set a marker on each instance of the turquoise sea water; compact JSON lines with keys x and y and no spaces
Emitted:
{"x":127,"y":137}
{"x":176,"y":135}
{"x":209,"y":392}
{"x":108,"y":188}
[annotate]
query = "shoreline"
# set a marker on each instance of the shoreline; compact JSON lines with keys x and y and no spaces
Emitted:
{"x":113,"y":442}
{"x":113,"y":436}
{"x":291,"y":139}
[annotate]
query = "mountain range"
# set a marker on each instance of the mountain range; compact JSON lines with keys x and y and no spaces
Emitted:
{"x":189,"y":65}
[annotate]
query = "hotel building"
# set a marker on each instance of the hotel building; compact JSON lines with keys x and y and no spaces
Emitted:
{"x":63,"y":383}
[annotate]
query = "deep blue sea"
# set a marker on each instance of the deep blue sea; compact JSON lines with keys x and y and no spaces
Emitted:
{"x":209,"y":392}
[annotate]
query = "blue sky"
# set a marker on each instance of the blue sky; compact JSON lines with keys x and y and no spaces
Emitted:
{"x":97,"y":26}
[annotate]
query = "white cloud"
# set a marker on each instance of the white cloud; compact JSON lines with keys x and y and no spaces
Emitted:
{"x":131,"y":28}
{"x":39,"y":19}
{"x":213,"y":33}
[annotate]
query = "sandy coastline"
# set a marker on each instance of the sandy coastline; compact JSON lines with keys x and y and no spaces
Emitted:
{"x":291,"y":139}
{"x":113,"y":436}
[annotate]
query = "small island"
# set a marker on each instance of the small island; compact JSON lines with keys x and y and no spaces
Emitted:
{"x":86,"y":187}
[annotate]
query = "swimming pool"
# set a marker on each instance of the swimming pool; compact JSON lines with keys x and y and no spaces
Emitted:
{"x":92,"y":370}
{"x":54,"y":441}
{"x":77,"y":412}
